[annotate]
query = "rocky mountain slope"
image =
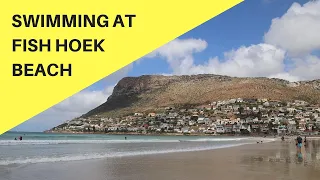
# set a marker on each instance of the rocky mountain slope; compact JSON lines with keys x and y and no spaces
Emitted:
{"x":138,"y":94}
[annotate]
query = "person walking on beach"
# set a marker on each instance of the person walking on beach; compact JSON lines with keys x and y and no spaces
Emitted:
{"x":299,"y":143}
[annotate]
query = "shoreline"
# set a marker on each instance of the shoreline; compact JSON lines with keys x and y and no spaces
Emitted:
{"x":138,"y":134}
{"x":152,"y":153}
{"x":179,"y":134}
{"x":272,"y":160}
{"x":154,"y":134}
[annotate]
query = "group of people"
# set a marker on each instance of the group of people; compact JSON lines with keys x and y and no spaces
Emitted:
{"x":20,"y":138}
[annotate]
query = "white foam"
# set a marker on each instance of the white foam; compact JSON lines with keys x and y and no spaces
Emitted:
{"x":106,"y":155}
{"x":217,"y":139}
{"x":48,"y":142}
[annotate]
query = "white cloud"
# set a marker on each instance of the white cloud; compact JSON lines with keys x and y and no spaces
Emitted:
{"x":46,"y":120}
{"x":261,"y":60}
{"x":298,"y":30}
{"x":179,"y":48}
{"x":255,"y":60}
{"x":307,"y":68}
{"x":84,"y":101}
{"x":68,"y":109}
{"x":285,"y":75}
{"x":178,"y":53}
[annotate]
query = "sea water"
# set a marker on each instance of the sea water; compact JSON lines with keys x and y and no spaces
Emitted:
{"x":42,"y":147}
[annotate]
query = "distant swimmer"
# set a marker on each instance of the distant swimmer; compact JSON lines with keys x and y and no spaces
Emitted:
{"x":125,"y":138}
{"x":282,"y":138}
{"x":20,"y":138}
{"x":15,"y":138}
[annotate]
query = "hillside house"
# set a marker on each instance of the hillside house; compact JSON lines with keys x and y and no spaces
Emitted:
{"x":194,"y":117}
{"x":220,"y":129}
{"x":248,"y":120}
{"x":300,"y":103}
{"x":309,"y":127}
{"x":185,"y":129}
{"x":266,"y":104}
{"x":201,"y":120}
{"x":255,"y":127}
{"x":245,"y":127}
{"x":236,"y":128}
{"x":207,"y":121}
{"x":264,"y":128}
{"x":192,"y":123}
{"x":228,"y":128}
{"x":282,"y":130}
{"x":317,"y":122}
{"x":180,"y":122}
{"x":239,"y":100}
{"x":152,"y":114}
{"x":138,"y":114}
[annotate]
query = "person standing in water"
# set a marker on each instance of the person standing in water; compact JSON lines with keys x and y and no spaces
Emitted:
{"x":125,"y":138}
{"x":299,"y":143}
{"x":305,"y":141}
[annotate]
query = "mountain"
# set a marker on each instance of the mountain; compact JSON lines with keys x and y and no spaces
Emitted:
{"x":148,"y":92}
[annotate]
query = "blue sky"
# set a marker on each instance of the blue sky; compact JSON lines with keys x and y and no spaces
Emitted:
{"x":265,"y":38}
{"x":244,"y":24}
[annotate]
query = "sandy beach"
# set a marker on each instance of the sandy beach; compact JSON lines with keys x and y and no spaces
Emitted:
{"x":274,"y":160}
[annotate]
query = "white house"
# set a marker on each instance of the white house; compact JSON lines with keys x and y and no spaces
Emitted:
{"x":138,"y":114}
{"x":245,"y":127}
{"x":240,"y":100}
{"x":191,"y":123}
{"x":113,"y":128}
{"x":201,"y":120}
{"x":292,"y":127}
{"x":220,"y":129}
{"x":236,"y":128}
{"x":282,"y":129}
{"x":318,"y":122}
{"x":185,"y":129}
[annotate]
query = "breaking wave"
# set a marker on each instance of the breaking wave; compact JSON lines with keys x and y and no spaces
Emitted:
{"x":79,"y":157}
{"x":48,"y":142}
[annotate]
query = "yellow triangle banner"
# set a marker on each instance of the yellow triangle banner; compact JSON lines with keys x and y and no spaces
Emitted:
{"x":51,"y":50}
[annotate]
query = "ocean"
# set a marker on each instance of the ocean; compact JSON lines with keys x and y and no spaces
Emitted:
{"x":44,"y":148}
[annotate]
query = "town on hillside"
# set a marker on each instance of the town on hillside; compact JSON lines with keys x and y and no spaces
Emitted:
{"x":228,"y":117}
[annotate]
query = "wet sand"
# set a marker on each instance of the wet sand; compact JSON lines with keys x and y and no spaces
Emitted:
{"x":275,"y":160}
